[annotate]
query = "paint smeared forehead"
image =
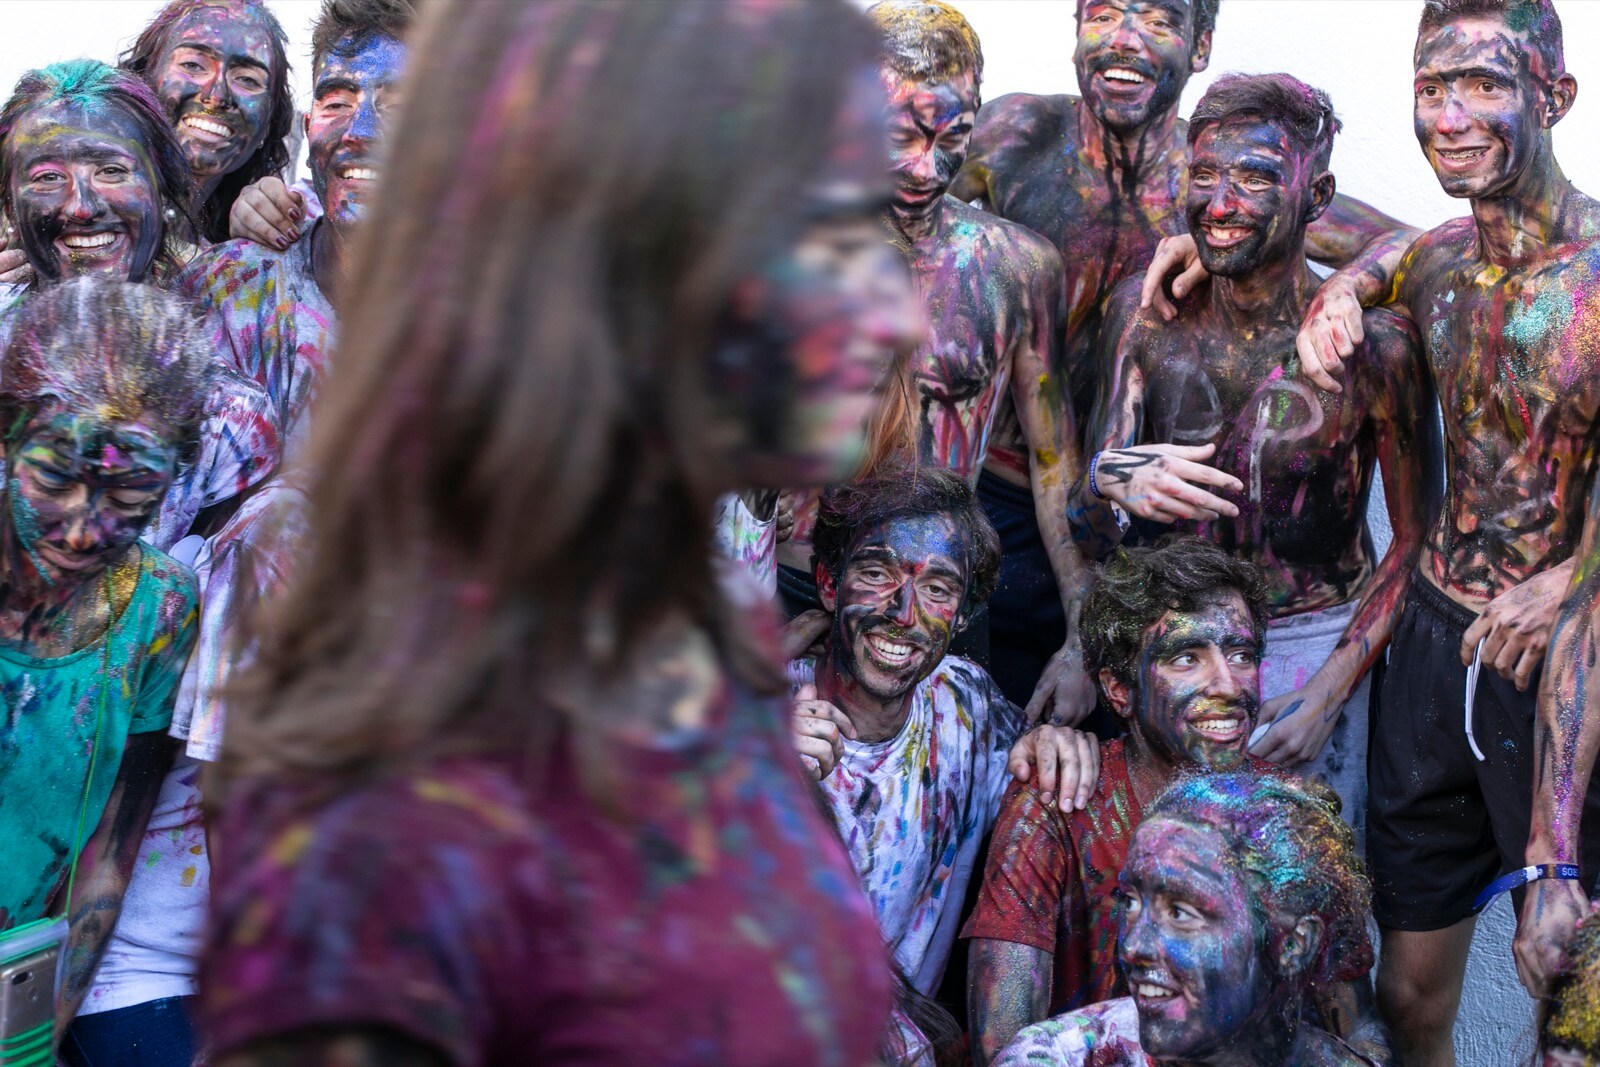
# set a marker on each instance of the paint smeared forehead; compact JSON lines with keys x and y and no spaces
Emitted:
{"x":1242,"y":137}
{"x":1182,"y":11}
{"x":237,"y":29}
{"x":52,"y":125}
{"x":376,"y":64}
{"x":932,"y":103}
{"x":1467,"y":43}
{"x":110,"y":443}
{"x":1170,"y":853}
{"x":914,"y":539}
{"x":1224,"y":621}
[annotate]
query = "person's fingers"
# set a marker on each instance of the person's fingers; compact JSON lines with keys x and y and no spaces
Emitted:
{"x":1191,"y":452}
{"x":1476,"y":632}
{"x":1069,"y":773}
{"x":801,"y":632}
{"x":276,"y":215}
{"x":1202,"y":474}
{"x":1020,"y":766}
{"x":1354,"y":325}
{"x":1508,"y":653}
{"x":1155,"y":279}
{"x":1047,"y":763}
{"x":1311,"y":363}
{"x":1492,"y":645}
{"x":1089,"y":761}
{"x":1043,"y":693}
{"x":1178,"y":489}
{"x":1527,"y":663}
{"x":245,"y":221}
{"x":12,"y":258}
{"x":826,"y":710}
{"x":821,"y":749}
{"x":1189,"y":280}
{"x":814,"y":766}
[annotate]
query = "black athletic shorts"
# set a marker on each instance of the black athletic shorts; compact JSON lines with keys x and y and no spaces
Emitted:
{"x":1441,"y":825}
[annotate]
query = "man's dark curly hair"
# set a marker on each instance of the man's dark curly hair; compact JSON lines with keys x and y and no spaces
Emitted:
{"x":143,"y":58}
{"x":898,"y":490}
{"x":1137,"y":586}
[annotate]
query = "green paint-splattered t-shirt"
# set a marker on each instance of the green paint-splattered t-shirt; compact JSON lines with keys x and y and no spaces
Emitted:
{"x":48,"y":709}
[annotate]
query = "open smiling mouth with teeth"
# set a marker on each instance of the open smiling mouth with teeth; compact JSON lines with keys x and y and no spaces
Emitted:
{"x":1124,"y":75}
{"x":89,"y":242}
{"x":359,"y":174}
{"x":1462,"y":155}
{"x":1221,"y":730}
{"x":890,"y":653}
{"x":1225,"y":236}
{"x":1151,"y":991}
{"x":210,"y":127}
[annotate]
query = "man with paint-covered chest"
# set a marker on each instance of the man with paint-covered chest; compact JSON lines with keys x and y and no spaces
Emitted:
{"x":1102,"y":176}
{"x":993,"y":295}
{"x":1292,"y":465}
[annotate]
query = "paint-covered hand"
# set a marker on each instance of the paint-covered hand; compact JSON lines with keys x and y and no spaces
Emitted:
{"x":14,"y":266}
{"x":802,"y":635}
{"x":1515,"y":627}
{"x":819,"y":732}
{"x":1330,"y":332}
{"x":785,"y":516}
{"x":1551,"y":911}
{"x":1060,"y":762}
{"x":1300,"y":724}
{"x":1172,"y":254}
{"x":269,"y":213}
{"x":1164,"y":482}
{"x":1065,"y":694}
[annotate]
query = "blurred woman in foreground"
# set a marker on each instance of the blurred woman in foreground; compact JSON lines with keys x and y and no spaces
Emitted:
{"x":505,"y":785}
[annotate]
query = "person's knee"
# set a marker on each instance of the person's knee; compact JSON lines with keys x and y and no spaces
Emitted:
{"x":1417,"y":1001}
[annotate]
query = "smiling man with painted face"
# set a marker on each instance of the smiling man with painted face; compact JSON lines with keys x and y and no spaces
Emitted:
{"x":993,"y":295}
{"x":1241,"y":897}
{"x":274,"y":310}
{"x":902,"y":559}
{"x":1292,"y":464}
{"x":220,"y":70}
{"x":1508,"y":304}
{"x":1174,"y":634}
{"x":1102,"y":176}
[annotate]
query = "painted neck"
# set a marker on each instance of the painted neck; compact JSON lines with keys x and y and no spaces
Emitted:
{"x":328,"y":253}
{"x":1274,"y":1038}
{"x":31,"y":606}
{"x":1149,"y":771}
{"x":918,"y":226}
{"x":1529,"y":217}
{"x":1128,"y":155}
{"x":1278,"y":291}
{"x":875,"y":720}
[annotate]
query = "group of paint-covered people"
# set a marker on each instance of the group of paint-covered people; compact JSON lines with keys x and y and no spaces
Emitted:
{"x":1095,"y":715}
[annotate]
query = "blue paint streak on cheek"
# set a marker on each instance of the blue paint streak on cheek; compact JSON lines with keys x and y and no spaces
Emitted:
{"x":25,"y":521}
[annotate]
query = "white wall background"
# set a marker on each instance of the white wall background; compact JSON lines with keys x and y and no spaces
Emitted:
{"x":1360,"y":52}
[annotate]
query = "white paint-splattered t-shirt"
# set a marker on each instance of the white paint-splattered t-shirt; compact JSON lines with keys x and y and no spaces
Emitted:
{"x":913,"y":810}
{"x":748,"y":541}
{"x":1101,"y":1035}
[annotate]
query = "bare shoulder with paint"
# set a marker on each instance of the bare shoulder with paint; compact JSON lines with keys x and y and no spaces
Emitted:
{"x":1012,"y":128}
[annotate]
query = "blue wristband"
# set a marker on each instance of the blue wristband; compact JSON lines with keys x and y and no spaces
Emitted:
{"x":1094,"y":487}
{"x":1522,"y":876}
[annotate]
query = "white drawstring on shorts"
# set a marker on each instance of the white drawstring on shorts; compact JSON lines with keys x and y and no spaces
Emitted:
{"x":1472,"y":692}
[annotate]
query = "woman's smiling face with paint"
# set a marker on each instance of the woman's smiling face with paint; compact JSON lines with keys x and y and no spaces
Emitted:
{"x":215,"y":79}
{"x":84,"y":194}
{"x":81,"y":488}
{"x":1188,"y":942}
{"x":897,"y":605}
{"x":1197,"y":684}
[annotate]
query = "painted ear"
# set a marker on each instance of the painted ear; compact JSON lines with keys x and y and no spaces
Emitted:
{"x":1563,"y":93}
{"x":827,"y":592}
{"x":1322,"y":190}
{"x":1299,"y":946}
{"x":1200,"y":58}
{"x":1118,"y":692}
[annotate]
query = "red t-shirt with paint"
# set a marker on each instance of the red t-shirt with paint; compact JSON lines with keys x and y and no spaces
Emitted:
{"x":707,"y":917}
{"x":1051,"y":880}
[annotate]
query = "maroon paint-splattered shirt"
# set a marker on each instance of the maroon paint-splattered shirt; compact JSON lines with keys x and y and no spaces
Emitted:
{"x":714,"y":919}
{"x":1051,"y":880}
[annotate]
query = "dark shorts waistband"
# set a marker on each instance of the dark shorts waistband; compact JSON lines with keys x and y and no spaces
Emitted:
{"x":993,"y":488}
{"x":1430,"y":599}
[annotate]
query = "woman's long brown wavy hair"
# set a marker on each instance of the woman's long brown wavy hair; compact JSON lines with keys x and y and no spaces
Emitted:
{"x":516,"y":453}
